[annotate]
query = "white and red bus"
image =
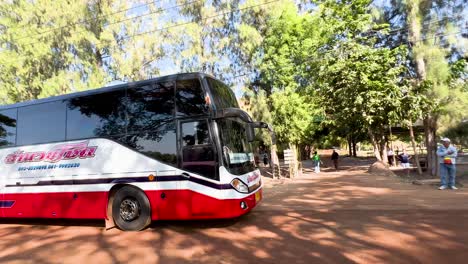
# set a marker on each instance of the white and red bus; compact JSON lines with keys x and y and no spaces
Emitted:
{"x":174,"y":147}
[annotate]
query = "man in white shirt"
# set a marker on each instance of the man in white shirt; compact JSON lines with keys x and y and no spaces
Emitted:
{"x":447,"y":154}
{"x":390,"y":157}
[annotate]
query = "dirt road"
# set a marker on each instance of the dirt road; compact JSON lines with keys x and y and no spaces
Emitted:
{"x":333,"y":217}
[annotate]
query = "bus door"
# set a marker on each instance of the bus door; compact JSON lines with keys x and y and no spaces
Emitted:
{"x":199,"y":166}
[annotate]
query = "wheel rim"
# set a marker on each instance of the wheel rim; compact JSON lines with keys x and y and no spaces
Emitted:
{"x":129,"y":209}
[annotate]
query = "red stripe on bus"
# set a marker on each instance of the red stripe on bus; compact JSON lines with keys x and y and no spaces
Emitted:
{"x":165,"y":205}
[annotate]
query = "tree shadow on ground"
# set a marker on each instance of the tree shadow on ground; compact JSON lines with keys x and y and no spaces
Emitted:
{"x":316,"y":219}
{"x":40,"y":222}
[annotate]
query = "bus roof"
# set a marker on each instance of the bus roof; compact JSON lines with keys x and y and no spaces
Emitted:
{"x":171,"y":77}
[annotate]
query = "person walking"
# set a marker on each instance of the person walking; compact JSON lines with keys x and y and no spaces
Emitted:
{"x":334,"y":158}
{"x":447,"y":154}
{"x":317,"y":161}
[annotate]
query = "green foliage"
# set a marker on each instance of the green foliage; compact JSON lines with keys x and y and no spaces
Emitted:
{"x":325,"y":72}
{"x":292,"y":114}
{"x":415,"y":103}
{"x":55,"y":47}
{"x":359,"y":82}
{"x":257,"y":105}
{"x":282,"y":80}
{"x":458,"y":133}
{"x":432,"y":45}
{"x":282,"y":50}
{"x":361,"y":85}
{"x":456,"y":101}
{"x":328,"y":62}
{"x":40,"y":55}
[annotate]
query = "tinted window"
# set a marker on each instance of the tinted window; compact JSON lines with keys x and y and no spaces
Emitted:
{"x":150,"y":106}
{"x":41,"y":123}
{"x":223,"y":96}
{"x":100,"y":115}
{"x":190,"y":98}
{"x":160,"y":143}
{"x":237,"y":151}
{"x":198,"y":154}
{"x":195,"y":133}
{"x":8,"y":127}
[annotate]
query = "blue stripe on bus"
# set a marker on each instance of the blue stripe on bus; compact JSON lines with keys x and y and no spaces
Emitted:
{"x":6,"y":204}
{"x":127,"y":180}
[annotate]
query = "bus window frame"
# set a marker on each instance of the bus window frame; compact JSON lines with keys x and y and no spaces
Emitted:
{"x":205,"y":89}
{"x":213,"y":143}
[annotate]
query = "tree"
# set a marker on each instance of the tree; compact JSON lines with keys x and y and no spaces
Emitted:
{"x":415,"y":105}
{"x":279,"y":79}
{"x":358,"y":80}
{"x":258,"y":106}
{"x":432,"y":36}
{"x":6,"y":124}
{"x":41,"y":52}
{"x":458,"y":133}
{"x":49,"y":48}
{"x":282,"y":76}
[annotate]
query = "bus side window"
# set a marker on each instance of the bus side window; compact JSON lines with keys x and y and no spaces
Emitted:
{"x":99,"y":115}
{"x":150,"y":106}
{"x":151,"y":127}
{"x":41,"y":123}
{"x":8,"y":127}
{"x":190,"y":98}
{"x":198,"y":155}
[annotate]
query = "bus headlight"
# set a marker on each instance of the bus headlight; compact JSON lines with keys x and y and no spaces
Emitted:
{"x":240,"y":186}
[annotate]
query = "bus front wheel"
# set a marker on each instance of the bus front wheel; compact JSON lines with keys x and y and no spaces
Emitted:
{"x":131,"y":209}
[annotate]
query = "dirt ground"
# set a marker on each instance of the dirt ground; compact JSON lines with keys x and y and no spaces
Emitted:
{"x":345,"y":216}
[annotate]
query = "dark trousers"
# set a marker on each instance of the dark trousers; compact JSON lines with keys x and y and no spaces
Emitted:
{"x":335,"y":163}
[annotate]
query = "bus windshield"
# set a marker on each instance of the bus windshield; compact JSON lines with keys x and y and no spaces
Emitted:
{"x":223,"y":96}
{"x":237,"y":151}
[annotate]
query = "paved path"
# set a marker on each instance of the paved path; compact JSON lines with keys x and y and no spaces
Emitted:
{"x":347,"y":216}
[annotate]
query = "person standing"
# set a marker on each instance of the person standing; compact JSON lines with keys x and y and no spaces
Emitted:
{"x":317,"y":161}
{"x":447,"y":154}
{"x":265,"y":158}
{"x":390,"y":157}
{"x":334,"y":158}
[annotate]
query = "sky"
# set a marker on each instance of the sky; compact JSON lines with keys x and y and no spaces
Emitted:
{"x":168,"y":66}
{"x":171,"y":14}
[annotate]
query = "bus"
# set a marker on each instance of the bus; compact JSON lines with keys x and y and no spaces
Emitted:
{"x":170,"y":148}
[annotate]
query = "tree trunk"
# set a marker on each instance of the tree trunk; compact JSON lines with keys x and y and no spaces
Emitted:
{"x":274,"y":162}
{"x":354,"y":147}
{"x":383,"y":150}
{"x":375,"y":145}
{"x":414,"y":32}
{"x":430,"y":123}
{"x":294,"y":165}
{"x":430,"y":128}
{"x":413,"y":143}
{"x":298,"y":161}
{"x":417,"y":46}
{"x":302,"y":152}
{"x":350,"y":146}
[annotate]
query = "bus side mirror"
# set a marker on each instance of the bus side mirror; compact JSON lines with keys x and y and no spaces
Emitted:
{"x":265,"y":126}
{"x":250,"y":132}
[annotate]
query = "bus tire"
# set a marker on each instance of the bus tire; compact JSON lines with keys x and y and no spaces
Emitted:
{"x":131,"y":209}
